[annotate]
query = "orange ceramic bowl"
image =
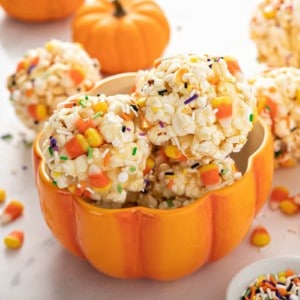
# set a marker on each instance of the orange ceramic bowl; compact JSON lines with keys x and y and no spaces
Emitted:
{"x":141,"y":242}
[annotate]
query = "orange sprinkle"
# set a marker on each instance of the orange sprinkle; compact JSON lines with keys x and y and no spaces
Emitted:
{"x":170,"y":183}
{"x":126,"y":117}
{"x":106,"y":159}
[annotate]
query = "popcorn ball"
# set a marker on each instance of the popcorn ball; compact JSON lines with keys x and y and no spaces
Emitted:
{"x":48,"y":75}
{"x":275,"y":30}
{"x":94,"y":147}
{"x":278,"y":94}
{"x":203,"y":105}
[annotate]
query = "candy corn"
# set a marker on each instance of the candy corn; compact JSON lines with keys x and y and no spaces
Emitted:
{"x":14,"y":240}
{"x":2,"y":195}
{"x":209,"y":175}
{"x":278,"y":194}
{"x":37,"y":111}
{"x":260,"y":237}
{"x":76,"y":146}
{"x":13,"y":210}
{"x":288,"y":206}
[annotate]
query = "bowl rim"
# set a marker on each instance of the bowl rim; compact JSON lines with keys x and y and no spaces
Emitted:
{"x":239,"y":282}
{"x":43,"y":173}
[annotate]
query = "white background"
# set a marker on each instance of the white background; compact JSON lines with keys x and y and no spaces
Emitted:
{"x":42,"y":269}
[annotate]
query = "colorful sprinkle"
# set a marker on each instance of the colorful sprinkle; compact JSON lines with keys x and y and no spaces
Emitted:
{"x":192,"y":98}
{"x":134,"y":150}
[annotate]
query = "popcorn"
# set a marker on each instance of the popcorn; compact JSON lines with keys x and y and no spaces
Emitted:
{"x":48,"y":75}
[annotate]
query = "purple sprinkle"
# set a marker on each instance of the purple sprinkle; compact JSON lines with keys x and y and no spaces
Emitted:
{"x":53,"y":143}
{"x":217,"y":59}
{"x":30,"y":68}
{"x":161,"y":124}
{"x":142,"y":134}
{"x":192,"y":98}
{"x":128,"y":129}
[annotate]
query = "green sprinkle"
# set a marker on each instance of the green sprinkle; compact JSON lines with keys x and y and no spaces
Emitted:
{"x":50,"y":150}
{"x":27,"y":144}
{"x":224,"y":171}
{"x":170,"y":202}
{"x":98,"y":114}
{"x":86,"y":97}
{"x":82,"y":103}
{"x":277,"y":153}
{"x":134,"y":151}
{"x":251,"y":117}
{"x":54,"y":182}
{"x":132,"y":169}
{"x":63,"y":158}
{"x":119,"y":188}
{"x":6,"y":137}
{"x":90,"y":152}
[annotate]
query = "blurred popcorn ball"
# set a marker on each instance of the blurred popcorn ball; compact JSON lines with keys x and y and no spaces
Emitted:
{"x":278,"y":94}
{"x":48,"y":75}
{"x":275,"y":29}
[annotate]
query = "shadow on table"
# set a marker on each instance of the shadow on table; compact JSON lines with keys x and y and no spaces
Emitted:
{"x":30,"y":35}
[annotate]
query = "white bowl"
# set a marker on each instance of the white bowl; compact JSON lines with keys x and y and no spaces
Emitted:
{"x":265,"y":266}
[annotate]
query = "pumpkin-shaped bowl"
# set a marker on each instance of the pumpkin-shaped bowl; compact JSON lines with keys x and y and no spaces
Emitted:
{"x":139,"y":242}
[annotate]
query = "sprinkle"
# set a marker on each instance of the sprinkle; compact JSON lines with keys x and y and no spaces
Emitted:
{"x":82,"y":103}
{"x":123,"y":128}
{"x":169,"y":173}
{"x":192,"y":98}
{"x":50,"y":150}
{"x":54,"y":182}
{"x":6,"y":137}
{"x":90,"y":152}
{"x":131,"y":169}
{"x":97,"y":115}
{"x":162,"y":92}
{"x":86,"y":97}
{"x":119,"y":188}
{"x":170,"y":202}
{"x":195,"y":165}
{"x":123,"y":177}
{"x":161,"y":124}
{"x":251,"y":117}
{"x":63,"y":158}
{"x":134,"y":150}
{"x":134,"y":107}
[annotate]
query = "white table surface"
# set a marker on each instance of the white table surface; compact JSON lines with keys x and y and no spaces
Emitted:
{"x":42,"y":269}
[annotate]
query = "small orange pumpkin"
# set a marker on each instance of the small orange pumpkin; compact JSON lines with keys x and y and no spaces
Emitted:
{"x":139,"y":242}
{"x":125,"y":35}
{"x":40,"y":10}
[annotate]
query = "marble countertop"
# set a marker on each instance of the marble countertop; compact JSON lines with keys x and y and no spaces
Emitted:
{"x":42,"y":268}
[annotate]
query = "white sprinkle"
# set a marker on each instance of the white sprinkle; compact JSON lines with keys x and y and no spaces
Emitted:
{"x":90,"y":190}
{"x":105,"y":152}
{"x":263,"y":248}
{"x":292,"y":230}
{"x":122,"y":177}
{"x":63,"y":132}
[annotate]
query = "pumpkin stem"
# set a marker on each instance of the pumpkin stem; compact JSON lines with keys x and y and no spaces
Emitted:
{"x":119,"y":10}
